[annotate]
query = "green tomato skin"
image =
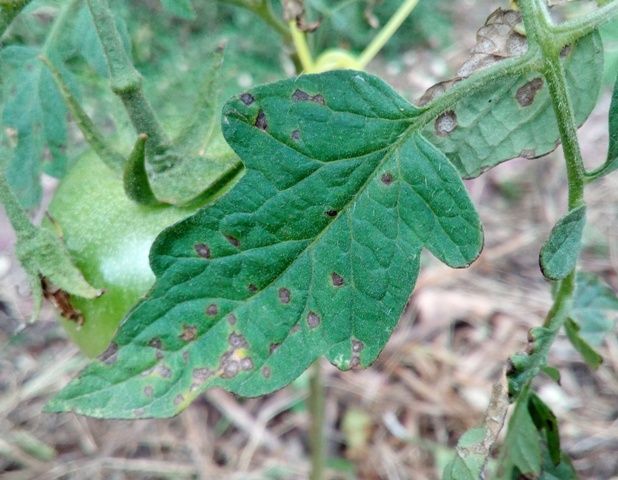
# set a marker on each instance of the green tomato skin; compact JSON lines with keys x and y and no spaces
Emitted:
{"x":109,"y":238}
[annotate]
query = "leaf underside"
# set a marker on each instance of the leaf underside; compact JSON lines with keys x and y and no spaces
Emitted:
{"x":314,"y":252}
{"x":595,"y":308}
{"x":515,"y":118}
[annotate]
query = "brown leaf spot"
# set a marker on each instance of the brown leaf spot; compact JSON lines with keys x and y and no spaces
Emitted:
{"x":313,"y":319}
{"x":231,"y":319}
{"x":566,"y":50}
{"x":109,"y":355}
{"x":164,"y":371}
{"x":178,"y":400}
{"x":233,"y":240}
{"x":247,"y":98}
{"x":155,"y":343}
{"x":357,"y":346}
{"x":148,"y":391}
{"x":301,"y":96}
{"x":202,"y":250}
{"x":159,"y":355}
{"x":528,"y":154}
{"x":62,"y":301}
{"x":201,"y":374}
{"x":446,"y":123}
{"x":284,"y":295}
{"x":387,"y":178}
{"x":526,"y":93}
{"x":246,"y":363}
{"x":273,"y":347}
{"x":295,"y":135}
{"x":331,"y":213}
{"x":260,"y":121}
{"x":230,"y":369}
{"x":252,"y":288}
{"x":355,"y":362}
{"x":336,"y":279}
{"x":266,"y":372}
{"x":236,"y":340}
{"x":212,"y":310}
{"x":189,"y":332}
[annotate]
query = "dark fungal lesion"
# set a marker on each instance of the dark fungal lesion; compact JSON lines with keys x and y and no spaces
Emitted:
{"x":302,"y":96}
{"x":260,"y":121}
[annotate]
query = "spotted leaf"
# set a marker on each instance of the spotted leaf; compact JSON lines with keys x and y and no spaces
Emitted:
{"x":313,"y":253}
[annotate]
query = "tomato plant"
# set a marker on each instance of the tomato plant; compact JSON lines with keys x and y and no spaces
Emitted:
{"x":290,"y":223}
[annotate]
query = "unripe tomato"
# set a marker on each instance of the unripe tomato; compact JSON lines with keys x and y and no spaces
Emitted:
{"x":109,"y":237}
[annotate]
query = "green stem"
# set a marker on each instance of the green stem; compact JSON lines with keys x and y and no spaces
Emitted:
{"x":387,"y":32}
{"x":126,"y":82}
{"x":539,"y":30}
{"x":301,"y":47}
{"x":316,"y":429}
{"x":587,"y":23}
{"x":16,"y":214}
{"x":8,"y":11}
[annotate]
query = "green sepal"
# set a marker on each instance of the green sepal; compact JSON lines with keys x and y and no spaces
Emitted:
{"x":135,"y":178}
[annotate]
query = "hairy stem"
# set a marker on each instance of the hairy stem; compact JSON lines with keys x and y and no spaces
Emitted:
{"x":126,"y":82}
{"x":539,"y":31}
{"x":316,"y":429}
{"x":8,"y":11}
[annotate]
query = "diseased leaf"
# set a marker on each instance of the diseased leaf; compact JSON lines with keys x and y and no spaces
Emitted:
{"x":560,"y":252}
{"x":589,"y":354}
{"x":595,"y":308}
{"x":314,"y":252}
{"x":512,"y":118}
{"x":522,"y":442}
{"x":180,"y":8}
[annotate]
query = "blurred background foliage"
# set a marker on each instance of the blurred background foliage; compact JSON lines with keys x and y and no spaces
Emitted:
{"x":171,"y":43}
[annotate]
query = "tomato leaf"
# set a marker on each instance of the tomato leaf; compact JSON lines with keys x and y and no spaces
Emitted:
{"x":559,"y":254}
{"x":514,"y":117}
{"x":589,"y":354}
{"x":468,"y":463}
{"x":522,"y":442}
{"x":595,"y":308}
{"x":545,"y":419}
{"x":314,"y":252}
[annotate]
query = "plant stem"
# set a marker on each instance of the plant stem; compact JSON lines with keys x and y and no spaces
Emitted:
{"x":302,"y":49}
{"x":587,"y":23}
{"x":126,"y":82}
{"x":316,"y":429}
{"x":387,"y":32}
{"x":8,"y":11}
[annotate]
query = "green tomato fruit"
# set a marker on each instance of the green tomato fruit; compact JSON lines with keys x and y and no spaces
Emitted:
{"x":109,"y":238}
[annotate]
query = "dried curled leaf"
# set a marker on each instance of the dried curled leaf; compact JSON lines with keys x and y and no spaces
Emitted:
{"x":514,"y":117}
